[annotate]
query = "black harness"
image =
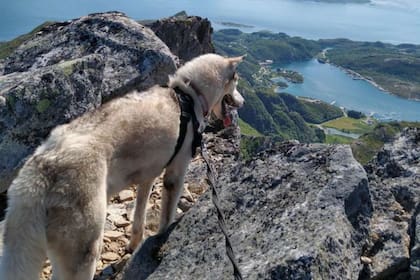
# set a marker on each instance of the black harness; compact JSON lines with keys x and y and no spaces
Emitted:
{"x":186,"y":104}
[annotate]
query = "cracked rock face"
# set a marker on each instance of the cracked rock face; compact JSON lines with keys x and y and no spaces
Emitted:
{"x":394,"y":240}
{"x":69,"y":68}
{"x":295,"y":212}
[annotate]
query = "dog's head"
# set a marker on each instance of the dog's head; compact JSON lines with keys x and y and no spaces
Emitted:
{"x":211,"y":79}
{"x":231,"y":98}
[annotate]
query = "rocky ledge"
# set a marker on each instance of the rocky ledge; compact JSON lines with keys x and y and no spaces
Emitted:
{"x":298,"y":211}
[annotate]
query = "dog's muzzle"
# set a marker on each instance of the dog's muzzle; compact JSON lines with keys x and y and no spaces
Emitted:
{"x":228,"y":105}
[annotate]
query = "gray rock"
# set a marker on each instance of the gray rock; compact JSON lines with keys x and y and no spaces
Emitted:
{"x":70,"y":68}
{"x":394,"y":238}
{"x":1,"y":66}
{"x":186,"y":36}
{"x":297,"y":212}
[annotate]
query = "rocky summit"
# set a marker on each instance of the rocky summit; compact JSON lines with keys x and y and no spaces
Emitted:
{"x":293,"y":211}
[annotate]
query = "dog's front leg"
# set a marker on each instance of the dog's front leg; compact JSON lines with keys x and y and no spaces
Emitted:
{"x":173,"y":181}
{"x":143,"y":193}
{"x":173,"y":185}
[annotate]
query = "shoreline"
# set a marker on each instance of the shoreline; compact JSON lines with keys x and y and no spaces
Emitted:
{"x":357,"y":76}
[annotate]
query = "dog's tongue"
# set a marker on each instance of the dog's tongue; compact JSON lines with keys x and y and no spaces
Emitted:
{"x":227,"y":121}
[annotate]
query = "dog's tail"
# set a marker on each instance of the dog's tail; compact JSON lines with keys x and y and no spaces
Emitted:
{"x":24,"y":236}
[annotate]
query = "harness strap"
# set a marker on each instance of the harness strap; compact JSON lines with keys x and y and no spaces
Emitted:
{"x":186,"y":104}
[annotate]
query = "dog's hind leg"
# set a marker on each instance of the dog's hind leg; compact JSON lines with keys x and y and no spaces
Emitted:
{"x":24,"y":240}
{"x":76,"y":222}
{"x":75,"y":257}
{"x":76,"y":263}
{"x":143,"y":193}
{"x":24,"y":244}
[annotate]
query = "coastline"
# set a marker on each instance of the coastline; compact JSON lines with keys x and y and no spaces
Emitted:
{"x":357,"y":76}
{"x":322,"y":58}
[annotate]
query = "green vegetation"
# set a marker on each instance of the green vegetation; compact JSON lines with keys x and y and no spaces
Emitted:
{"x":338,"y":139}
{"x":312,"y":111}
{"x":367,"y":146}
{"x":394,"y":68}
{"x":248,"y":130}
{"x":350,"y":125}
{"x":251,"y":145}
{"x":6,"y":48}
{"x":355,"y":114}
{"x":290,"y":75}
{"x":283,"y":115}
{"x":373,"y":137}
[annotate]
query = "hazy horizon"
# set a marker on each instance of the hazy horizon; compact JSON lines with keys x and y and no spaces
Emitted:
{"x":396,"y":21}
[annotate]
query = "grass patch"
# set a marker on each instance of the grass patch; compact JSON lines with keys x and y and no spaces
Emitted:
{"x":247,"y":129}
{"x":369,"y":144}
{"x":338,"y":139}
{"x":350,"y":125}
{"x":366,"y":148}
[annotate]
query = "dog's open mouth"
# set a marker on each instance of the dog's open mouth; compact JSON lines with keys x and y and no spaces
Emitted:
{"x":228,"y":105}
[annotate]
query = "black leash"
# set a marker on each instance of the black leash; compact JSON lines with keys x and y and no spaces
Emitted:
{"x":211,"y":180}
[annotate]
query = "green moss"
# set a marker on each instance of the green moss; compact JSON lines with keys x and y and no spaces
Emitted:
{"x":67,"y":67}
{"x":43,"y":105}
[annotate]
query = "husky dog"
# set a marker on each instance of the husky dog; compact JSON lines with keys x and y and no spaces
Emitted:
{"x":57,"y":203}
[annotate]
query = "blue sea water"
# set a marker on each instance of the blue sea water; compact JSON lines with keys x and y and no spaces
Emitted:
{"x":333,"y":85}
{"x":394,"y":21}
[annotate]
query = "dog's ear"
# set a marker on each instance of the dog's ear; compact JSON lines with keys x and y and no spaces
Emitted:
{"x":234,"y":61}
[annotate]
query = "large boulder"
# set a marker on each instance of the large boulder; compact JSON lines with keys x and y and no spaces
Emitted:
{"x":293,"y":212}
{"x":69,"y":68}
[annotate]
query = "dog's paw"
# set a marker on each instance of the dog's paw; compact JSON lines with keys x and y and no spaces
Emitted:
{"x":202,"y":127}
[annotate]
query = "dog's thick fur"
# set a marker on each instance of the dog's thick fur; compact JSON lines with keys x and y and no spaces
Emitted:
{"x":57,"y":203}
